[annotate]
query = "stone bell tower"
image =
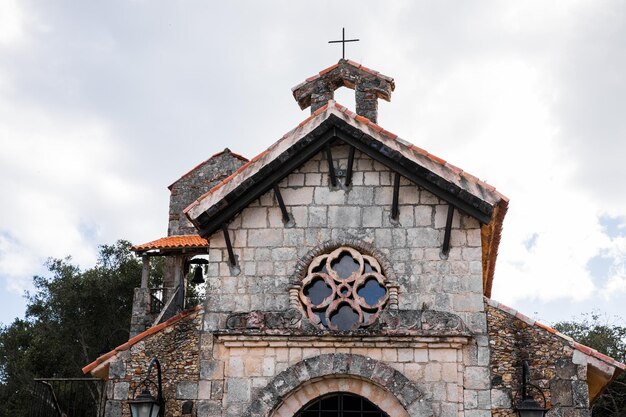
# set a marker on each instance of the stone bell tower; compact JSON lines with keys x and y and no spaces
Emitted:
{"x":369,"y":86}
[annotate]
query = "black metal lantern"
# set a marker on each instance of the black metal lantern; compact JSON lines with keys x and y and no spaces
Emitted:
{"x":145,"y":405}
{"x":529,"y":407}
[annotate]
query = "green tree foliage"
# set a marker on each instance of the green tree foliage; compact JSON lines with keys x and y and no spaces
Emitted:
{"x":72,"y":317}
{"x":596,"y":332}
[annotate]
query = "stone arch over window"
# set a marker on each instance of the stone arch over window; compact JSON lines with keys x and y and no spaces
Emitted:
{"x":339,"y":372}
{"x":330,"y":245}
{"x":309,"y":392}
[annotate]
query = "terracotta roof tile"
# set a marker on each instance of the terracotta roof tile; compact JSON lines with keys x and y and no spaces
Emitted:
{"x":389,"y":134}
{"x":173,"y":242}
{"x":362,"y":119}
{"x":329,"y":69}
{"x":438,"y":160}
{"x":454,"y":168}
{"x":375,"y":127}
{"x":192,"y":312}
{"x":320,"y":110}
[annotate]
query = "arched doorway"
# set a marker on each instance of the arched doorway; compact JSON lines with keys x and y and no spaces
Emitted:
{"x":340,"y":404}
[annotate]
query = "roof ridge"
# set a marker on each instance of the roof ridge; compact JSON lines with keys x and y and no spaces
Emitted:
{"x":574,"y":344}
{"x":190,"y":313}
{"x":350,"y":62}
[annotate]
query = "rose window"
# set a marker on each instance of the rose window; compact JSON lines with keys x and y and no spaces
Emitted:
{"x":344,"y":290}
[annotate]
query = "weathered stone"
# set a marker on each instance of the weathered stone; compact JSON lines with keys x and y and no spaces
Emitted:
{"x":187,"y":390}
{"x":238,"y":389}
{"x":195,"y":183}
{"x":209,"y":408}
{"x":254,"y":217}
{"x":265,"y":237}
{"x":422,"y":237}
{"x":297,"y":196}
{"x":113,"y":408}
{"x":344,"y":216}
{"x":325,"y":196}
{"x":120,"y":390}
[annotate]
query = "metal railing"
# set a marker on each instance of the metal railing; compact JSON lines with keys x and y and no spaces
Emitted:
{"x":156,"y":300}
{"x":67,"y":397}
{"x":193,"y":297}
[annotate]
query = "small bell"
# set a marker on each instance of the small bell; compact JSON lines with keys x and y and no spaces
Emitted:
{"x":198,"y":277}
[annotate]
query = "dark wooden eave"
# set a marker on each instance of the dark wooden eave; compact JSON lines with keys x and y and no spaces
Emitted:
{"x":334,"y":128}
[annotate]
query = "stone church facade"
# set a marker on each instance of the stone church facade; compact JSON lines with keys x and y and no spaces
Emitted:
{"x":344,"y":266}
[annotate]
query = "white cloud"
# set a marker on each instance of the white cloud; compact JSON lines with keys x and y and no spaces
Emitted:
{"x":11,"y":22}
{"x":104,"y":107}
{"x":67,"y":187}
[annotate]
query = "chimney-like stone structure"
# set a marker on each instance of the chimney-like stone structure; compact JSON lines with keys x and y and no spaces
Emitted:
{"x":369,"y":86}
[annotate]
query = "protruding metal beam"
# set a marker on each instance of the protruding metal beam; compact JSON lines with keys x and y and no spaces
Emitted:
{"x":418,"y":175}
{"x":331,"y":168}
{"x":446,"y":237}
{"x":350,"y":164}
{"x":281,"y":203}
{"x":395,"y":210}
{"x":229,"y":246}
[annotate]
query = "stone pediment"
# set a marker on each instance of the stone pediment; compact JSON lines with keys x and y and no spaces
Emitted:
{"x":334,"y":123}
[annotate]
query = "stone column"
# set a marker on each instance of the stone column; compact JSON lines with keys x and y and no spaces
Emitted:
{"x":145,"y":271}
{"x":321,"y":96}
{"x":366,"y":101}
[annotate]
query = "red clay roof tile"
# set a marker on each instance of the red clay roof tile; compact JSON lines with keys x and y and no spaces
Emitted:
{"x":362,"y":119}
{"x":329,"y":69}
{"x":375,"y":127}
{"x":127,"y":345}
{"x":437,"y":159}
{"x":389,"y":134}
{"x":173,"y":242}
{"x":454,"y":168}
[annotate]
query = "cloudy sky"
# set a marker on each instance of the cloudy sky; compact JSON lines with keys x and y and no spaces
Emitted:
{"x":103,"y":104}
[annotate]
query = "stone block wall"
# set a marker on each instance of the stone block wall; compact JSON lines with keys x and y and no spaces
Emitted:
{"x":453,"y":376}
{"x":258,"y":374}
{"x":268,"y":250}
{"x":555,"y":367}
{"x":194,"y":184}
{"x":177,"y":349}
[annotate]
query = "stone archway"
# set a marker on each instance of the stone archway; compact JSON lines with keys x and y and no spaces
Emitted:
{"x":383,"y":399}
{"x":339,"y":372}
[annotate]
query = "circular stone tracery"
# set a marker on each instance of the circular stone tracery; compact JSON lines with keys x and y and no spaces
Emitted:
{"x":343,"y":290}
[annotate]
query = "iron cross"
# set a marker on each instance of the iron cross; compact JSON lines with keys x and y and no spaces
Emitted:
{"x":343,"y":42}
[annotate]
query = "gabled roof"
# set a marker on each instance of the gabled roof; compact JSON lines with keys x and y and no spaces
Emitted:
{"x":226,"y":151}
{"x":173,"y":243}
{"x":334,"y":121}
{"x":100,"y":367}
{"x":604,"y":369}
